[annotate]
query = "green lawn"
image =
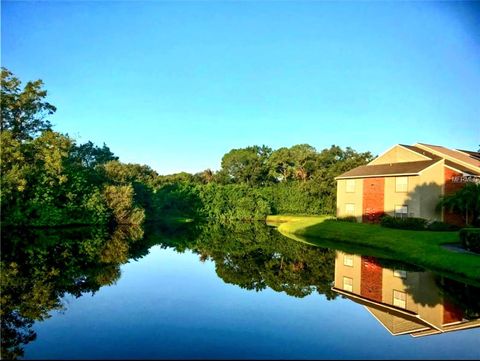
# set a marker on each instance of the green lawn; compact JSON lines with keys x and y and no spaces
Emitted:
{"x":422,"y":248}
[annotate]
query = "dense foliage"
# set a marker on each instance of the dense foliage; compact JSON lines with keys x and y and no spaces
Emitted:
{"x":416,"y":224}
{"x":49,"y":180}
{"x":256,"y":181}
{"x":466,"y":202}
{"x":441,"y":226}
{"x":470,"y":238}
{"x":413,"y":223}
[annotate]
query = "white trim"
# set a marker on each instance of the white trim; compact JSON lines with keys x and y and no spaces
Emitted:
{"x":392,"y":175}
{"x":387,"y":306}
{"x":378,"y":176}
{"x":422,"y":155}
{"x":429,"y":333}
{"x":459,"y":151}
{"x":462,"y":326}
{"x":457,"y":170}
{"x":431,"y":165}
{"x":448,"y":157}
{"x":381,"y":155}
{"x":448,"y":328}
{"x":396,"y":333}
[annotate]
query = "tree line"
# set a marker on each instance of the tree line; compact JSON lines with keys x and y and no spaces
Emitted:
{"x":49,"y":179}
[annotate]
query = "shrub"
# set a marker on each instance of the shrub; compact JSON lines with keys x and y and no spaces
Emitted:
{"x":442,"y":227}
{"x":411,"y":223}
{"x":470,"y":238}
{"x":351,"y":219}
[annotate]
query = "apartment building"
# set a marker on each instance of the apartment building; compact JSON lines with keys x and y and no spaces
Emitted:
{"x":403,"y":301}
{"x":407,"y":181}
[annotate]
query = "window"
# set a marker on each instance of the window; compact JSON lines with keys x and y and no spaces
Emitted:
{"x":350,"y":185}
{"x":400,"y":273}
{"x":350,"y":209}
{"x":401,"y":211}
{"x":348,"y":260}
{"x":348,"y":284}
{"x":399,"y":299}
{"x":401,"y":184}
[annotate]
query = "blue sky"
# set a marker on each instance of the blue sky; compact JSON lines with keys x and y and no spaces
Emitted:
{"x":175,"y":85}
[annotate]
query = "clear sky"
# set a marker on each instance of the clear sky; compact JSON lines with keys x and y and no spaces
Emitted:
{"x":175,"y":85}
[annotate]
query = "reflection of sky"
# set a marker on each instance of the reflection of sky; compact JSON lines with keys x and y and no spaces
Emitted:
{"x":170,"y":305}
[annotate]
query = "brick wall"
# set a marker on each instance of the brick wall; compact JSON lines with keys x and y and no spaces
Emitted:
{"x":371,"y":279}
{"x":451,"y":313}
{"x":373,"y":199}
{"x":450,"y":188}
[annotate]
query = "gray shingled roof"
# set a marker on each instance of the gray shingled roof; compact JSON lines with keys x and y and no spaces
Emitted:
{"x":421,"y":151}
{"x":392,"y":169}
{"x":460,"y":167}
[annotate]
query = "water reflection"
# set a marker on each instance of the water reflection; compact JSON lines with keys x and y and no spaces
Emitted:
{"x":39,"y":268}
{"x":406,"y":301}
{"x":255,"y":257}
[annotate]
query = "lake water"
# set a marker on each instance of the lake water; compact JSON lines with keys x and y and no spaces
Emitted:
{"x":208,"y":291}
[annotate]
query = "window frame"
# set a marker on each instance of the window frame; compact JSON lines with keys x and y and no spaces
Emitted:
{"x":400,"y":273}
{"x":350,"y":286}
{"x":398,"y":302}
{"x":403,"y":214}
{"x":349,"y":259}
{"x":348,"y":213}
{"x":347,"y":188}
{"x":397,"y":190}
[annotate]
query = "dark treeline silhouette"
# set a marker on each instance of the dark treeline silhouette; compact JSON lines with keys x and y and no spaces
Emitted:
{"x":49,"y":180}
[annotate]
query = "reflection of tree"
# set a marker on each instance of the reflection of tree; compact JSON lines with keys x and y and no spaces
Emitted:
{"x":255,"y":257}
{"x":463,"y":296}
{"x":38,"y":268}
{"x":16,"y":332}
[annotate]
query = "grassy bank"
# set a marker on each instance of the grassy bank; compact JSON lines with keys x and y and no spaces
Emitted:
{"x":421,"y":248}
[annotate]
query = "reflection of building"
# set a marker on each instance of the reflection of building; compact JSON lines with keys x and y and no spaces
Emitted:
{"x":403,"y":302}
{"x":406,"y":181}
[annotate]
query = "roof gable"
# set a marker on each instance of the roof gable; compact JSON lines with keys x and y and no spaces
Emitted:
{"x":465,"y":158}
{"x":388,"y":170}
{"x":398,"y":154}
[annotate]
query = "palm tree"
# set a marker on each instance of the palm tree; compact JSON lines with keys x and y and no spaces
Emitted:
{"x":466,"y":201}
{"x":207,"y":175}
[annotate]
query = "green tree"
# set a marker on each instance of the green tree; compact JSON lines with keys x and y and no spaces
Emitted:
{"x":466,"y":201}
{"x":247,"y":165}
{"x":120,"y":201}
{"x":89,"y":155}
{"x":303,"y":156}
{"x":24,"y":111}
{"x":281,"y":164}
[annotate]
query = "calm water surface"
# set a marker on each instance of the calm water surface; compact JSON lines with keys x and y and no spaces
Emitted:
{"x":242,"y":291}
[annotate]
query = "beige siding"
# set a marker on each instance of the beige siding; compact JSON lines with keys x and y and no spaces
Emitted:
{"x":422,"y":194}
{"x":354,"y":272}
{"x":344,"y":197}
{"x":390,"y":282}
{"x":430,"y":188}
{"x":398,"y":154}
{"x":430,"y":302}
{"x":393,"y":198}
